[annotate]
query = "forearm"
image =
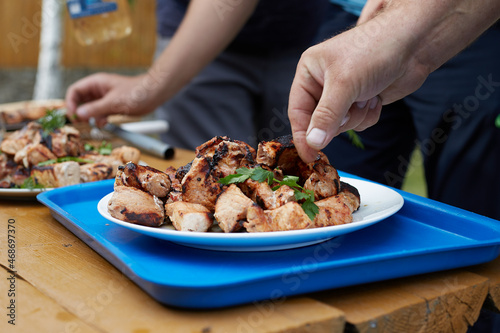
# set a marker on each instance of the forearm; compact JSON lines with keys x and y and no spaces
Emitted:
{"x":206,"y":30}
{"x":436,"y":30}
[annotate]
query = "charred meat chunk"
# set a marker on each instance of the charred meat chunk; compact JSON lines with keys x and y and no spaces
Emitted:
{"x":187,"y":216}
{"x":144,"y":178}
{"x":135,"y":206}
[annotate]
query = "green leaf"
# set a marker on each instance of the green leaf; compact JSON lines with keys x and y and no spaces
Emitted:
{"x":261,"y":175}
{"x":290,"y":181}
{"x":52,"y":120}
{"x":310,"y":208}
{"x":88,"y":147}
{"x":302,"y":196}
{"x":30,"y":184}
{"x":233,"y":179}
{"x":105,"y":148}
{"x":64,"y":159}
{"x":355,"y":139}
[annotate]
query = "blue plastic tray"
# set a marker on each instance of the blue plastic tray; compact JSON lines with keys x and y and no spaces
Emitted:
{"x":424,"y":236}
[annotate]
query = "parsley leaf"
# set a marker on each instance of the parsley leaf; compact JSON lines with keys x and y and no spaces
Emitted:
{"x":310,"y":208}
{"x":261,"y":175}
{"x":240,"y":176}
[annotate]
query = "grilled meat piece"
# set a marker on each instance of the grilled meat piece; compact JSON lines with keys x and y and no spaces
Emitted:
{"x":334,"y":210}
{"x":271,"y":152}
{"x":187,"y":216}
{"x":135,"y":206}
{"x":16,"y":176}
{"x":353,"y":199}
{"x":262,"y":194}
{"x":290,"y":216}
{"x":175,"y":193}
{"x":19,"y":139}
{"x":126,"y":154}
{"x":106,"y":159}
{"x":92,"y":172}
{"x":281,"y":154}
{"x":231,"y":208}
{"x":12,"y":146}
{"x":182,"y":171}
{"x":31,"y":132}
{"x":199,"y":185}
{"x":6,"y":166}
{"x":12,"y":116}
{"x":324,"y":181}
{"x":32,"y":154}
{"x":284,"y":195}
{"x":143,"y":178}
{"x":57,"y":175}
{"x":176,"y":187}
{"x":65,"y":141}
{"x":212,"y":146}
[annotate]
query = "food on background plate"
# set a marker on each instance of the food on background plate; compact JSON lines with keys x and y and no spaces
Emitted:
{"x":21,"y":112}
{"x":231,"y":187}
{"x":48,"y":153}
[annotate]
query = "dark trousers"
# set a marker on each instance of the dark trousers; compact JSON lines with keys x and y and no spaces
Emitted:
{"x":455,"y":120}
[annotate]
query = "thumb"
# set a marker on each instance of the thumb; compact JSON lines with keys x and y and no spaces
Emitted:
{"x":329,"y":115}
{"x":99,"y":109}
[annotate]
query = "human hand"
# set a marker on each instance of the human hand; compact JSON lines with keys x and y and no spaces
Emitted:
{"x":100,"y":95}
{"x":370,"y":9}
{"x":342,"y":83}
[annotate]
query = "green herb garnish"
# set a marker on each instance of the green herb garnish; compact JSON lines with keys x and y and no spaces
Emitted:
{"x":52,"y":120}
{"x":261,"y":175}
{"x":64,"y":159}
{"x":355,"y":139}
{"x":30,"y":184}
{"x":104,"y":148}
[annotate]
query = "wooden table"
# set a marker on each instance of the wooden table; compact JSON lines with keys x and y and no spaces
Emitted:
{"x":62,"y":285}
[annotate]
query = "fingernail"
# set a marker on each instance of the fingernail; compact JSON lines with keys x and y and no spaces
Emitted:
{"x":316,"y":137}
{"x":345,"y":120}
{"x":82,"y":112}
{"x":373,"y":102}
{"x":361,"y":104}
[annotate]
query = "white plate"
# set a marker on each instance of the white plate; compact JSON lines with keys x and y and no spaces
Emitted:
{"x":21,"y":193}
{"x":377,"y":203}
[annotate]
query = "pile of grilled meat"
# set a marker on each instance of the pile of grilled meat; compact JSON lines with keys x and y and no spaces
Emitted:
{"x":192,"y":198}
{"x":22,"y":152}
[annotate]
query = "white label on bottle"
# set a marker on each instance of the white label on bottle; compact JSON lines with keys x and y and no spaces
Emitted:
{"x":74,"y":8}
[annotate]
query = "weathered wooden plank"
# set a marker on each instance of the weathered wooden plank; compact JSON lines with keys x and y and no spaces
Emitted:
{"x":440,"y":302}
{"x":33,"y":311}
{"x":64,"y":269}
{"x":491,"y":270}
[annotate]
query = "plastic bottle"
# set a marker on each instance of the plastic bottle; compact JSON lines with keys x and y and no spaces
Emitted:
{"x":98,"y":21}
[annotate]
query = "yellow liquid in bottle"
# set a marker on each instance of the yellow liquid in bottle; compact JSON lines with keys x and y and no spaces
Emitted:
{"x":104,"y":27}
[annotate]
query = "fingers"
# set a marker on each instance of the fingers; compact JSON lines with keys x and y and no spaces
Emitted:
{"x":81,"y":93}
{"x":330,"y":113}
{"x":304,"y":95}
{"x":362,"y":115}
{"x":370,"y":9}
{"x":98,"y":109}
